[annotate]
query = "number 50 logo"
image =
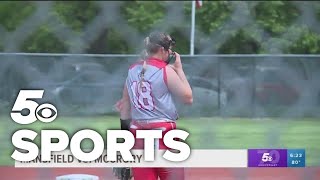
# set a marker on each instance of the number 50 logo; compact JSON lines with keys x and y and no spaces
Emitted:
{"x":44,"y":112}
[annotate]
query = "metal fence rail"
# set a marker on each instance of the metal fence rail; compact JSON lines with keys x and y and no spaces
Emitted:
{"x":136,"y":55}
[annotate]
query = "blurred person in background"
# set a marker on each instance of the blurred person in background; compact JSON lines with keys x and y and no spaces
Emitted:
{"x":148,"y":100}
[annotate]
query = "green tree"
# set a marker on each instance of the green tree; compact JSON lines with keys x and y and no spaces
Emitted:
{"x":211,"y":16}
{"x":182,"y":42}
{"x":110,"y":42}
{"x":13,"y":13}
{"x":76,"y":14}
{"x":308,"y":43}
{"x":143,"y":15}
{"x":43,"y":40}
{"x":316,"y":5}
{"x":240,"y":43}
{"x":275,"y":16}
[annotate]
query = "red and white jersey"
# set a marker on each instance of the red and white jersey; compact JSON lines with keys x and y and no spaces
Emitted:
{"x":150,"y":99}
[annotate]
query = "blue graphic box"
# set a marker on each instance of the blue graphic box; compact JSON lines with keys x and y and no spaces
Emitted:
{"x":296,"y":158}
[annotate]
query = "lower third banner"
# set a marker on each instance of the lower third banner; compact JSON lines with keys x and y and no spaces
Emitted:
{"x":197,"y":158}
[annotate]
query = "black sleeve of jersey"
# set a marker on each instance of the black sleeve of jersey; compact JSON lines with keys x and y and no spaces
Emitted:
{"x":125,"y":124}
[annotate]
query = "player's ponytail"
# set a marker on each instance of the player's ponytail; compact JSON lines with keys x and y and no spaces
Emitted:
{"x":144,"y":57}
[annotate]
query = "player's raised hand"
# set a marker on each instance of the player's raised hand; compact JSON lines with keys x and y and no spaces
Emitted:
{"x":177,"y":65}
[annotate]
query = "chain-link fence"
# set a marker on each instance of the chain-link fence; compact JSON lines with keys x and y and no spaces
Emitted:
{"x":90,"y":80}
{"x":109,"y":27}
{"x":223,"y":85}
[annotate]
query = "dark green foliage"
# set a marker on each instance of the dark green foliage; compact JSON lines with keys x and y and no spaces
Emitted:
{"x":211,"y":15}
{"x":110,"y":42}
{"x":13,"y":13}
{"x":43,"y":40}
{"x":240,"y":43}
{"x":275,"y":16}
{"x":308,"y":43}
{"x":76,"y":14}
{"x":143,"y":15}
{"x":317,"y":10}
{"x":182,"y":42}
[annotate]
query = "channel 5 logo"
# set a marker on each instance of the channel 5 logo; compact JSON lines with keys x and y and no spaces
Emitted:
{"x":271,"y":157}
{"x":267,"y":158}
{"x":44,"y":112}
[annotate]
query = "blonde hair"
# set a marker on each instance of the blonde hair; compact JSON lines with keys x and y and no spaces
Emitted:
{"x":145,"y":56}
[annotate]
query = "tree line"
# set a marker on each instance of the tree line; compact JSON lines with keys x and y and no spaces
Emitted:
{"x":276,"y":19}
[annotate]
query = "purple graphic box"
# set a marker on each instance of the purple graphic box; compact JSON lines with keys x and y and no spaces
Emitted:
{"x":267,"y":158}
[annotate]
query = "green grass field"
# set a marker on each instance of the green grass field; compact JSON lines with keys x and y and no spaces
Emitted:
{"x":205,"y":133}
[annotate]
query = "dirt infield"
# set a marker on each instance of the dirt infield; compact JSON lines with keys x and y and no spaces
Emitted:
{"x":11,"y":173}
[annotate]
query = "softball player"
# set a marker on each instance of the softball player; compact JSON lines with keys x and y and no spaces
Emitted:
{"x":147,"y":101}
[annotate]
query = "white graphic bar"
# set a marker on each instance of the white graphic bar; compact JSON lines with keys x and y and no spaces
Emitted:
{"x":198,"y":158}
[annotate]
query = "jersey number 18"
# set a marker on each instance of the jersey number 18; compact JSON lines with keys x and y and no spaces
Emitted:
{"x":142,"y":95}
